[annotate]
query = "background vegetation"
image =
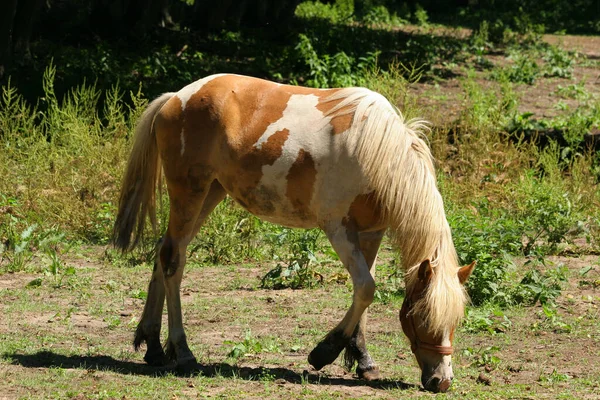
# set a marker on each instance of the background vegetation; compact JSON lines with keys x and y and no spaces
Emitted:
{"x":519,"y":187}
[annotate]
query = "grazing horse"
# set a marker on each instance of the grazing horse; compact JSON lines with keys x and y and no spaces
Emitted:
{"x":343,"y":160}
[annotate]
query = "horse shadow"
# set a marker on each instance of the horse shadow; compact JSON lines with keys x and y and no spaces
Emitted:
{"x":49,"y":359}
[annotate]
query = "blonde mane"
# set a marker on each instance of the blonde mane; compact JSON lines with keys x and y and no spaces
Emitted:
{"x":399,"y":166}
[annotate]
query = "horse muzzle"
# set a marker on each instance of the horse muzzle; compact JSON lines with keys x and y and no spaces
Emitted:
{"x":436,"y":385}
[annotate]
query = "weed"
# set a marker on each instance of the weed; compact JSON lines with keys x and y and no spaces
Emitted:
{"x":339,"y":70}
{"x":489,"y":238}
{"x":339,"y":11}
{"x":295,"y":270}
{"x":420,"y":16}
{"x":250,"y":345}
{"x":559,"y":62}
{"x":523,"y":70}
{"x":379,"y":16}
{"x":57,"y":269}
{"x":554,"y":377}
{"x":543,"y":287}
{"x":574,"y":91}
{"x":484,"y":357}
{"x":486,"y":319}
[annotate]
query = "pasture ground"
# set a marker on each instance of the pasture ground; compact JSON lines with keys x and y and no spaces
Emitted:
{"x":69,"y":309}
{"x":72,"y":339}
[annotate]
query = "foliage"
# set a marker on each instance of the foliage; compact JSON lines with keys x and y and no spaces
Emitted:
{"x":489,"y":238}
{"x":339,"y":11}
{"x":295,"y":270}
{"x":250,"y":345}
{"x":339,"y":70}
{"x":543,"y":287}
{"x":524,"y":70}
{"x":486,"y":319}
{"x":483,"y":357}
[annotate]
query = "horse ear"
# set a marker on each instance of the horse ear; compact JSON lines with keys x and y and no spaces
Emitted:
{"x":465,"y":272}
{"x":425,"y":271}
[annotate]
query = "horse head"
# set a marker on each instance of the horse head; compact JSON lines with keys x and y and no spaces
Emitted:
{"x":432,"y":349}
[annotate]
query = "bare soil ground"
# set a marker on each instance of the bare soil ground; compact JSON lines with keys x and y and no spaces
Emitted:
{"x":73,"y":340}
{"x":442,"y":100}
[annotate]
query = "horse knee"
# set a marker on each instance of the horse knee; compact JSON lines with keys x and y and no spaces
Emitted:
{"x":365,"y":290}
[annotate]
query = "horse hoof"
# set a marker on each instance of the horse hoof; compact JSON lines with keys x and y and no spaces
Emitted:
{"x":324,"y":354}
{"x":368,"y":374}
{"x":156,"y":359}
{"x":187,"y":366}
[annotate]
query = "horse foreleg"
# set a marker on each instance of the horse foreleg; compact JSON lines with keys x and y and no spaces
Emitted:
{"x":356,"y":350}
{"x":148,"y":329}
{"x":345,"y":241}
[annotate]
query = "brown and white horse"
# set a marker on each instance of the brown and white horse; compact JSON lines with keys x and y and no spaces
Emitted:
{"x":343,"y":160}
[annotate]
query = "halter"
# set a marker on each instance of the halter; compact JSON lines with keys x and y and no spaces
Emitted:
{"x":415,"y":342}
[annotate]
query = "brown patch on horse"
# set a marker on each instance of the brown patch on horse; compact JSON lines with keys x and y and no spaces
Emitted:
{"x":339,"y":123}
{"x":366,"y":211}
{"x":263,"y":104}
{"x":250,"y":173}
{"x":168,"y":124}
{"x":301,"y":181}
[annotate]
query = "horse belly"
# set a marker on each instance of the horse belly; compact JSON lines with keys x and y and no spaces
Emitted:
{"x":269,"y":203}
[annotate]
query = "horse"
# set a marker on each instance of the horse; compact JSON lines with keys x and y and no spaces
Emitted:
{"x":343,"y":160}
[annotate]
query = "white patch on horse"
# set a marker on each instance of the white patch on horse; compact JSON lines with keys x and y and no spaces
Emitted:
{"x":339,"y":178}
{"x":303,"y":120}
{"x":191,"y":89}
{"x":300,"y":116}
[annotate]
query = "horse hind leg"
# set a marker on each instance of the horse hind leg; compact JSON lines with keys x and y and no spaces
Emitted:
{"x":356,"y":350}
{"x":148,"y":329}
{"x":184,"y":223}
{"x":345,"y":242}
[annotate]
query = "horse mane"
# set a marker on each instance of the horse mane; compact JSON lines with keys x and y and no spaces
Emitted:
{"x":399,"y":166}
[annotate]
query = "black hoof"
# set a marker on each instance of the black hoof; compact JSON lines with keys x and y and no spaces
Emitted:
{"x":328,"y":350}
{"x":157,"y":359}
{"x":187,"y":367}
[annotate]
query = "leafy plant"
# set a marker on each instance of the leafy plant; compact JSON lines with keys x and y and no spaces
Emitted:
{"x":295,"y":270}
{"x":486,"y":319}
{"x":543,"y":287}
{"x":483,"y":357}
{"x":489,"y":238}
{"x":559,"y":62}
{"x":339,"y":70}
{"x":549,"y":319}
{"x":523,"y":70}
{"x":250,"y":345}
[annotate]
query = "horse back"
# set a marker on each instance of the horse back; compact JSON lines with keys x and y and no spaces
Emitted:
{"x":272,"y":147}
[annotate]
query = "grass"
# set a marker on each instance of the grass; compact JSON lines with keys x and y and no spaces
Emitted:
{"x":515,"y":201}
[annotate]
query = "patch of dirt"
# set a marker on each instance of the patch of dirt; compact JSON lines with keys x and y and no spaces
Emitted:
{"x":17,"y":280}
{"x":442,"y":101}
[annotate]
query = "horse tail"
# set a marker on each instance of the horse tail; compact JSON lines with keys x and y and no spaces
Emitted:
{"x":138,"y":189}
